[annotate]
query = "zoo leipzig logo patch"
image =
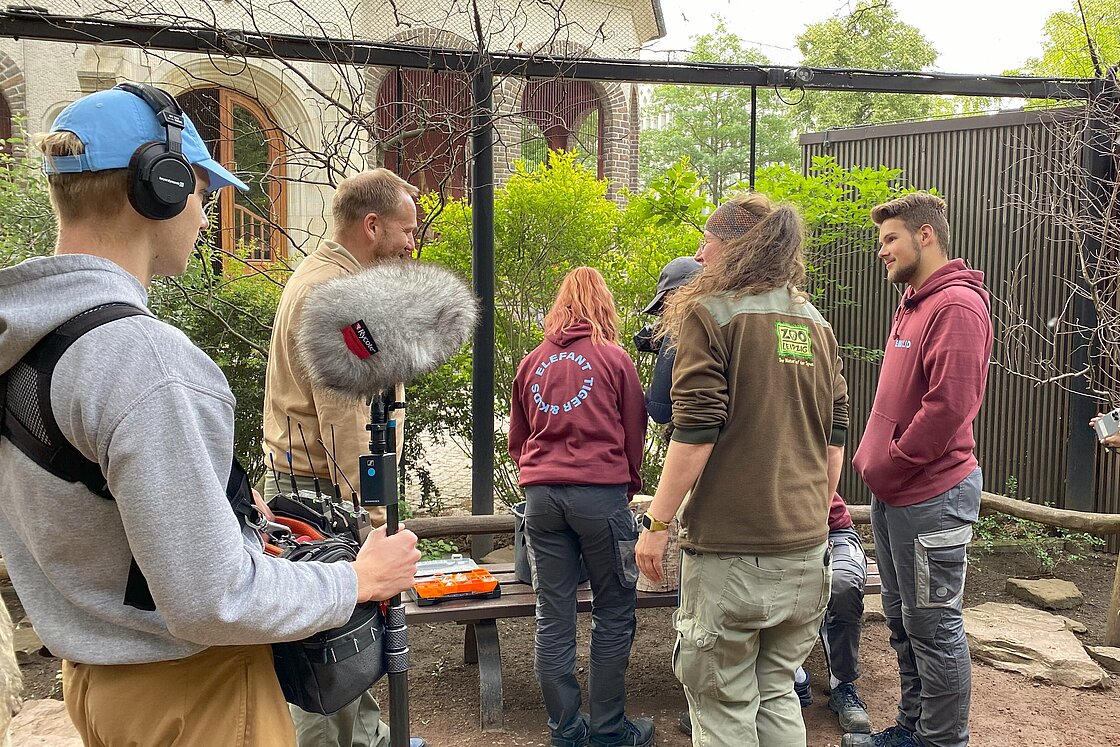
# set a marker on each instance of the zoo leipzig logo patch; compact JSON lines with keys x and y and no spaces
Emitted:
{"x":795,"y":345}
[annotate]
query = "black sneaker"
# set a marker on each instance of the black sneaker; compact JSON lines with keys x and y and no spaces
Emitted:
{"x":578,"y":739}
{"x":685,"y":724}
{"x":895,"y":736}
{"x":804,"y":691}
{"x":638,"y":733}
{"x":845,"y":702}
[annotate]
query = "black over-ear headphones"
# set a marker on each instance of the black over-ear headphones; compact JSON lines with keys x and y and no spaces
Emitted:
{"x":159,"y":177}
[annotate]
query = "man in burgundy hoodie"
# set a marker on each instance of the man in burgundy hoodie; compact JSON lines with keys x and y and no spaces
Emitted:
{"x":916,"y":456}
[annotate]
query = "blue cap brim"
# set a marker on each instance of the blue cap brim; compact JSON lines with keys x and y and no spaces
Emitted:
{"x":220,"y":176}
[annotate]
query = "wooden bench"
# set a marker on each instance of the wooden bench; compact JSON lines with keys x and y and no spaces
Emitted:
{"x":480,"y":617}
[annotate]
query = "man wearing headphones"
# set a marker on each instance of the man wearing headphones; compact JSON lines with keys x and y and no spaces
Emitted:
{"x":160,"y":602}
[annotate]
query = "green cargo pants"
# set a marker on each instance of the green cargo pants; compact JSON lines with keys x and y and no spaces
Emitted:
{"x":744,"y":625}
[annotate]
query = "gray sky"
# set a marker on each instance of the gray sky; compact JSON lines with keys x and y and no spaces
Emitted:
{"x":971,"y":36}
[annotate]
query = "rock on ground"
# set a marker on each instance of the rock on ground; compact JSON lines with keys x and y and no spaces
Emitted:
{"x":1032,"y":642}
{"x":873,"y":609}
{"x":1047,"y":593}
{"x":1107,"y":656}
{"x":1074,"y":625}
{"x":11,"y":682}
{"x":44,"y":723}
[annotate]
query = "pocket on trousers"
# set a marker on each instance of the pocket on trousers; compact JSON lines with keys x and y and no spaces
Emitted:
{"x":940,"y":566}
{"x":826,"y":580}
{"x":624,"y":530}
{"x":693,"y":656}
{"x":749,"y":591}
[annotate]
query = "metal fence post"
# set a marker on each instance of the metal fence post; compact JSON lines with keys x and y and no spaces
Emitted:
{"x":482,"y":266}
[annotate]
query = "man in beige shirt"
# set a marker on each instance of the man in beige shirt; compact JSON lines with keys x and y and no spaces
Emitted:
{"x":374,"y":220}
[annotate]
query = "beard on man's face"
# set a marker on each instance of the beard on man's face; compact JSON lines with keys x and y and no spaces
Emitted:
{"x":903,"y":273}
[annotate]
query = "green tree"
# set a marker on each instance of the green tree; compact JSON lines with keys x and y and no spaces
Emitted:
{"x":548,"y":219}
{"x":1067,"y":36}
{"x":712,"y":125}
{"x":27,"y":227}
{"x":870,"y":37}
{"x":835,"y":203}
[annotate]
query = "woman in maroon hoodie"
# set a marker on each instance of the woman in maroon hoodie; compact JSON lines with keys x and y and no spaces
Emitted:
{"x":577,"y":433}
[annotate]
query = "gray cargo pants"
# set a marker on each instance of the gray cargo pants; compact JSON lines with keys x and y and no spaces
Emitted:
{"x":565,"y":522}
{"x":843,"y":619}
{"x":923,"y":555}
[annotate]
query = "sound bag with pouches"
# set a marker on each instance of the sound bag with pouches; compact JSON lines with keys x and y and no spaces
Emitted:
{"x":320,"y":673}
{"x":325,"y":671}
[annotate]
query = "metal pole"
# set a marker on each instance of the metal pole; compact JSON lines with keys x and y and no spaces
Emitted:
{"x":482,"y":240}
{"x":754,"y":130}
{"x":400,"y":122}
{"x":378,"y":482}
{"x":1081,"y":456}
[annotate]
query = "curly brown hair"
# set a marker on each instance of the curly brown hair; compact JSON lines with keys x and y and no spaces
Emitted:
{"x":767,"y":256}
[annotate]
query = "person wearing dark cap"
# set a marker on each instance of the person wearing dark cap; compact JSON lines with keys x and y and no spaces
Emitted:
{"x":760,"y":416}
{"x":163,"y":641}
{"x":659,"y":405}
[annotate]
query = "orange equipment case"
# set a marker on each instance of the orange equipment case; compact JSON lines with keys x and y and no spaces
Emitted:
{"x":477,"y":583}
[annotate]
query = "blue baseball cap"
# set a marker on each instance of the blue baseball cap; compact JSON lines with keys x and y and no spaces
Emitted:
{"x":112,"y":124}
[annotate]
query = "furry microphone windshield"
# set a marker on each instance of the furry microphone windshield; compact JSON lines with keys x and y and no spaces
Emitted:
{"x":385,"y":325}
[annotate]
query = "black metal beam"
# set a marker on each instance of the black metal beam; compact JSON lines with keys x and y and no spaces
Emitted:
{"x":232,"y":42}
{"x":482,"y":270}
{"x":754,"y":132}
{"x":1082,"y":448}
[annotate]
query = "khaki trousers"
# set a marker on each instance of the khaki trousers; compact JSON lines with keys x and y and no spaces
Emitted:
{"x":223,"y":695}
{"x":746,"y":622}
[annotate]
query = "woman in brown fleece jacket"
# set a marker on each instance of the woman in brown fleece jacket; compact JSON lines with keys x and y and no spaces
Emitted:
{"x":760,"y":410}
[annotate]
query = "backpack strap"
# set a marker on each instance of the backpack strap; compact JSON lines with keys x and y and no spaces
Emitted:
{"x":32,"y":428}
{"x":36,"y":433}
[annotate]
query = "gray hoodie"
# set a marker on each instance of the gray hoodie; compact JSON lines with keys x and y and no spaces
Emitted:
{"x":157,"y":414}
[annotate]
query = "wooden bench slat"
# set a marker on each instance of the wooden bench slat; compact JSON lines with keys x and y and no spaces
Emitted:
{"x":519,"y":600}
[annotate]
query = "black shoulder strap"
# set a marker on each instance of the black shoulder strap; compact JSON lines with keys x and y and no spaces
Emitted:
{"x":49,"y":448}
{"x":38,"y":436}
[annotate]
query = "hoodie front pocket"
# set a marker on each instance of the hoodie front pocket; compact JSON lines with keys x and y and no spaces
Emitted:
{"x":873,"y":457}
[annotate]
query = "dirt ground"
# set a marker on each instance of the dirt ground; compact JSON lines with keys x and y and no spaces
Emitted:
{"x":1007,"y":708}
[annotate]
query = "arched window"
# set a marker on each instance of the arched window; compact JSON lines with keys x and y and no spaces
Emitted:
{"x":244,"y":139}
{"x":569,"y":116}
{"x":423,"y":122}
{"x":5,"y":125}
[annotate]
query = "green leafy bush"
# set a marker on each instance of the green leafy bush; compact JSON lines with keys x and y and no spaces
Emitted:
{"x":435,"y":549}
{"x":547,"y":220}
{"x":1048,"y":546}
{"x":552,"y":217}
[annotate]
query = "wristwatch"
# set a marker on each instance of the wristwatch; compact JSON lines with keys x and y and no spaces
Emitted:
{"x":653,"y":524}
